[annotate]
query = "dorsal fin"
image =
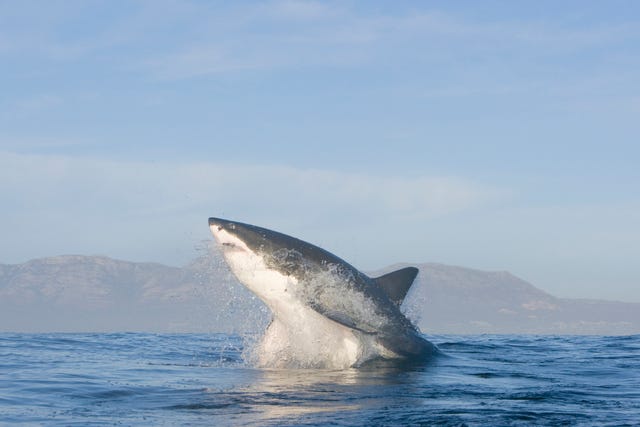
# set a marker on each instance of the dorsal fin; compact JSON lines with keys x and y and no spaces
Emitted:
{"x":397,"y":283}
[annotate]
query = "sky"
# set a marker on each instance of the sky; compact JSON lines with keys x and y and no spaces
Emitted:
{"x":495,"y":135}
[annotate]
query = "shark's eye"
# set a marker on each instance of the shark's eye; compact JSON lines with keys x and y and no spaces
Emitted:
{"x":231,"y":245}
{"x":219,"y":227}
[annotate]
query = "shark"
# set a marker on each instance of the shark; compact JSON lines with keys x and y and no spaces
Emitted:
{"x":325,"y":312}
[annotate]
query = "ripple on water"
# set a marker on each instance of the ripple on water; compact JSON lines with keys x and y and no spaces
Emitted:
{"x":201,"y":379}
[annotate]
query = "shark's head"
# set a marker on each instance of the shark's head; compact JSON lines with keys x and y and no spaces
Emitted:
{"x":260,"y":258}
{"x":232,"y":236}
{"x":236,"y":237}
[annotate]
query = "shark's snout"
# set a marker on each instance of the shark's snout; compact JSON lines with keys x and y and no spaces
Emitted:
{"x":215,"y":226}
{"x":221,"y":224}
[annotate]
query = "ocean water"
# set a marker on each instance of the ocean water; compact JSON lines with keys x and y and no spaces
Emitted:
{"x":202,"y":380}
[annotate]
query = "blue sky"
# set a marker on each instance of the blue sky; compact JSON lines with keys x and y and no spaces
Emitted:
{"x":493,"y":135}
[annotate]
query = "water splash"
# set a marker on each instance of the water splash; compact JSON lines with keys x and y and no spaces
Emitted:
{"x":225,"y":304}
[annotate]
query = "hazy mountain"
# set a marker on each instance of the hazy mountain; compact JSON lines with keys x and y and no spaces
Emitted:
{"x":450,"y":299}
{"x":80,"y":293}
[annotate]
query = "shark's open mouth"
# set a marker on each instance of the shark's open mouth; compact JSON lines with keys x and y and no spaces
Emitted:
{"x":232,"y":247}
{"x":229,"y":246}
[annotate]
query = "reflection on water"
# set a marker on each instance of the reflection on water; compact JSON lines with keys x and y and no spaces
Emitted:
{"x":269,"y":395}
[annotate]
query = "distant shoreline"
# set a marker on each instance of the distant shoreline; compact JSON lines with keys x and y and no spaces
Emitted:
{"x":76,"y":293}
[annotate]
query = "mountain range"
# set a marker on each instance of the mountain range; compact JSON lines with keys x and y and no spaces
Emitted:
{"x":76,"y":293}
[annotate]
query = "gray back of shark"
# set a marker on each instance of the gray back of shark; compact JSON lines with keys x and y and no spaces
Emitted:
{"x":329,"y":285}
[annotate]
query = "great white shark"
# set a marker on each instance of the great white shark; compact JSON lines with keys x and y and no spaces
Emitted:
{"x":326,"y":313}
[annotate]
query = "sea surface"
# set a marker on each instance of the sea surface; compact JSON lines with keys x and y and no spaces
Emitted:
{"x":202,"y":380}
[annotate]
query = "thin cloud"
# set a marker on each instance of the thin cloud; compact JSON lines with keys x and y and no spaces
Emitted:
{"x":137,"y":198}
{"x":300,"y":10}
{"x":202,"y":39}
{"x":136,"y":185}
{"x":334,"y":35}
